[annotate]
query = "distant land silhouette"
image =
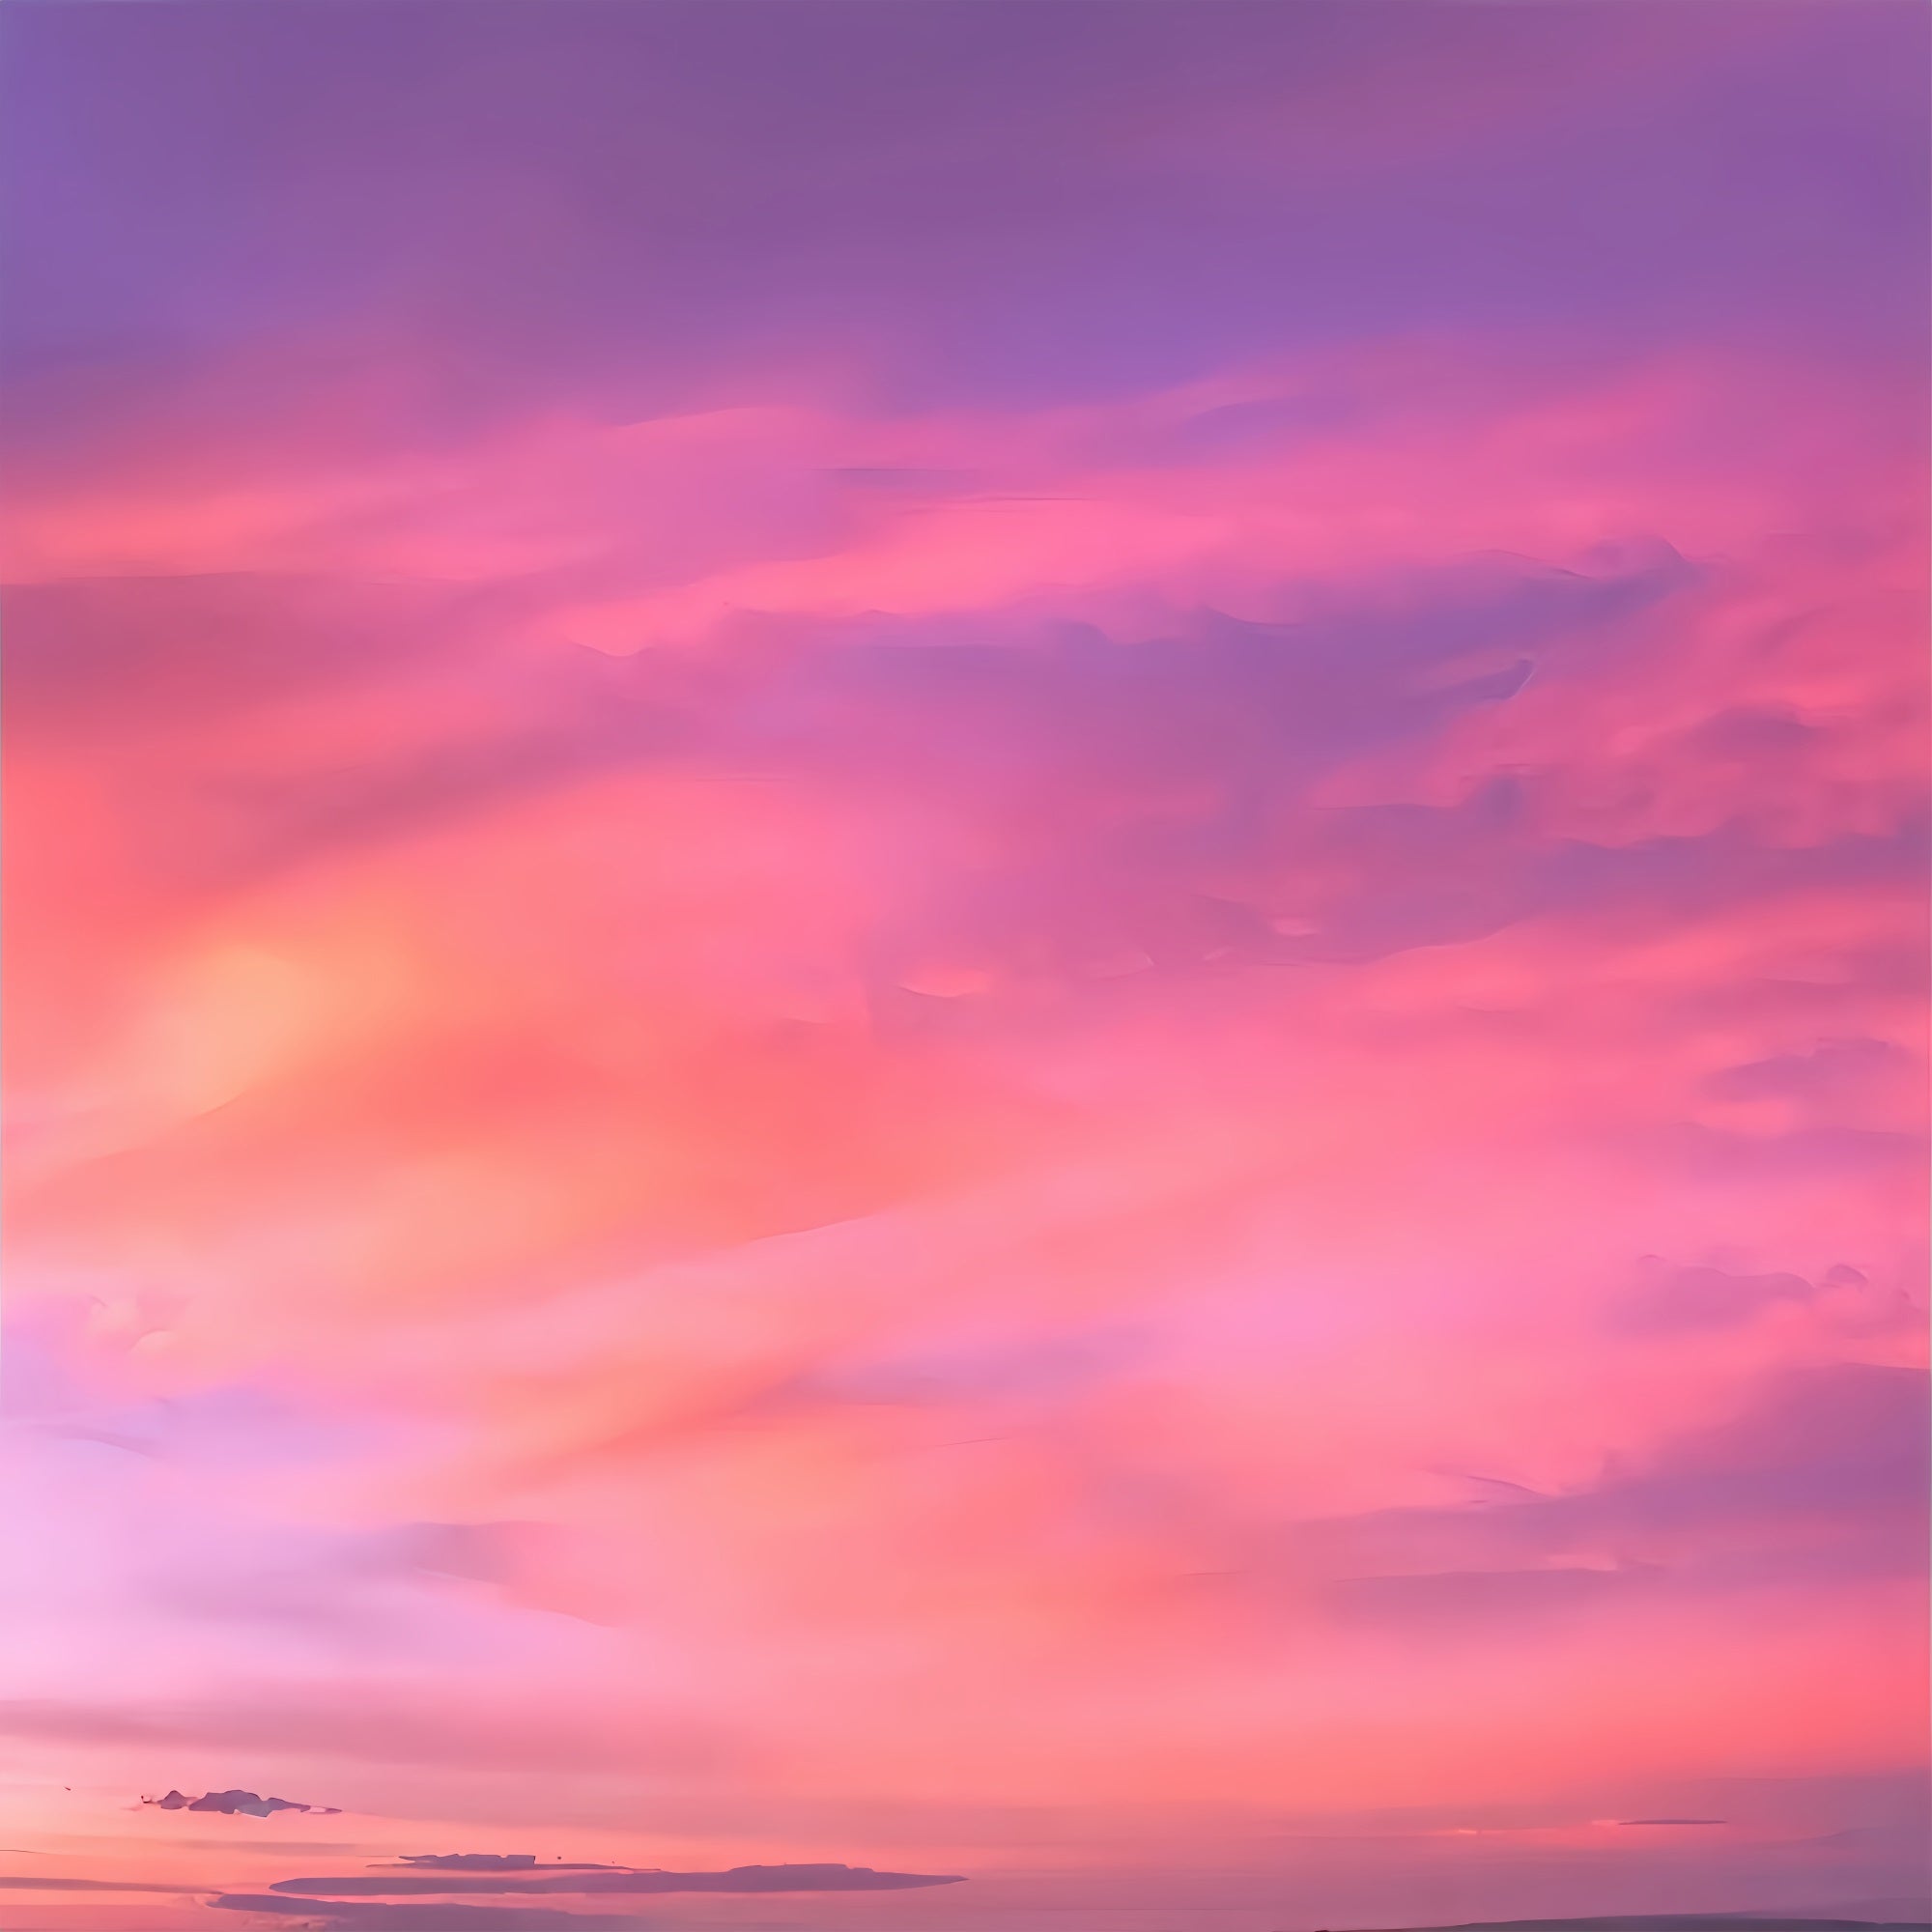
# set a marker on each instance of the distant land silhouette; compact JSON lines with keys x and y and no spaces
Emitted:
{"x":1689,"y":1921}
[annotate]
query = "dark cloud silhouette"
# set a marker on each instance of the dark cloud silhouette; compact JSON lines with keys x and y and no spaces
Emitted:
{"x":245,"y":1804}
{"x":1661,"y":1922}
{"x":739,"y":1879}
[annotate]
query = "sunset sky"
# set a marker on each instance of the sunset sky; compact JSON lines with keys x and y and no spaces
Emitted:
{"x":986,"y":939}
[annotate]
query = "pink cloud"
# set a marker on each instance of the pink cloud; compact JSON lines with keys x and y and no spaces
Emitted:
{"x":1136,"y":1117}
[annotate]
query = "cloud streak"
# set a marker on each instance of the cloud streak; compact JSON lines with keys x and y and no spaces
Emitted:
{"x":740,"y":1879}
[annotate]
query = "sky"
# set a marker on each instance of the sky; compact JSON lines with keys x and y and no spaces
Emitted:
{"x":984,"y":940}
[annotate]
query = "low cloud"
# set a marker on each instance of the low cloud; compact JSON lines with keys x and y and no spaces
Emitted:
{"x":246,"y":1803}
{"x":605,"y":1879}
{"x":487,"y":1862}
{"x":1820,"y":1476}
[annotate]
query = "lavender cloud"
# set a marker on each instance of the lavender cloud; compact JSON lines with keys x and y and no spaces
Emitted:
{"x":245,"y":1804}
{"x":1818,"y":1477}
{"x":585,"y":1880}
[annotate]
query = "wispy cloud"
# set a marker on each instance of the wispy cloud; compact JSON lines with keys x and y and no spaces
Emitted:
{"x":930,"y":936}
